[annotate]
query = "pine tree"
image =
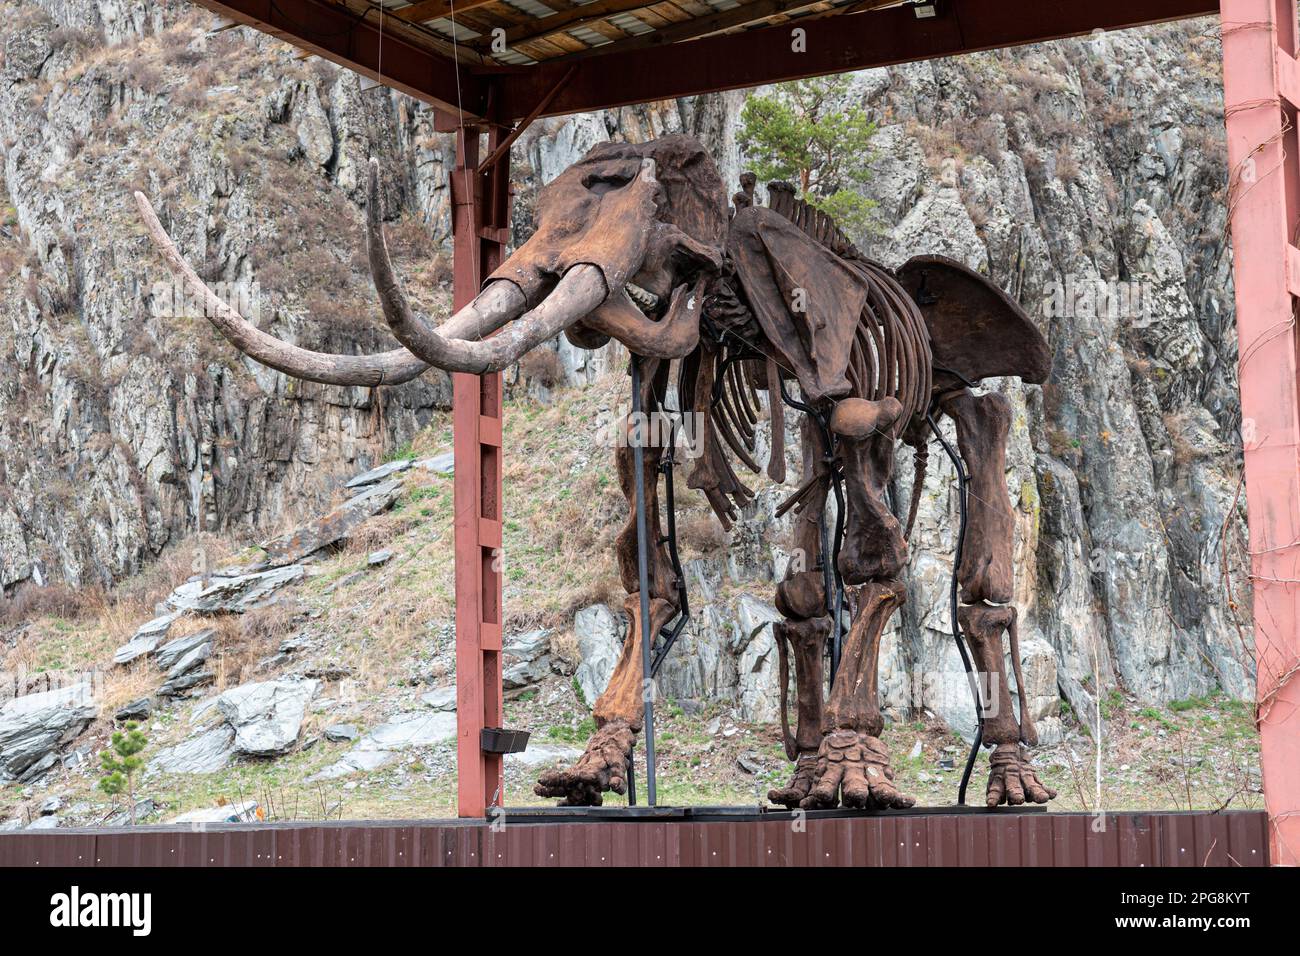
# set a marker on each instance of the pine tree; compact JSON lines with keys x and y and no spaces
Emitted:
{"x":804,"y":132}
{"x":122,"y":762}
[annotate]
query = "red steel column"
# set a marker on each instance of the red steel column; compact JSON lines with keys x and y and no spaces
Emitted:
{"x":1261,"y":92}
{"x":480,"y":229}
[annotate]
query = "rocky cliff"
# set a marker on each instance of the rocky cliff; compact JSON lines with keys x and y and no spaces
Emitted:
{"x":1086,"y":177}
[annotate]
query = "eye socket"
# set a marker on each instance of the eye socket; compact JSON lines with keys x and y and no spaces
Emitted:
{"x":601,"y":183}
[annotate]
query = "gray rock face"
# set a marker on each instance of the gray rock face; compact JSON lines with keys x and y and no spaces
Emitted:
{"x":600,"y":640}
{"x":235,"y":594}
{"x":342,"y":732}
{"x":758,"y":693}
{"x":206,"y":752}
{"x":267,"y":716}
{"x":34,"y":726}
{"x":1108,"y":163}
{"x":158,"y":434}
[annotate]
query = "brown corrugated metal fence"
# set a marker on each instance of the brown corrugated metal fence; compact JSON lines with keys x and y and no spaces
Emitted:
{"x":1238,"y":838}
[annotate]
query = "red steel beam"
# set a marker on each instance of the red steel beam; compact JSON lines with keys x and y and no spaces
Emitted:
{"x":480,"y":228}
{"x":833,"y":44}
{"x":353,"y":41}
{"x":1261,"y":96}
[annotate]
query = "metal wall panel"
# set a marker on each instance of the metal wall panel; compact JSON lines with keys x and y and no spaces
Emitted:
{"x":1237,"y":838}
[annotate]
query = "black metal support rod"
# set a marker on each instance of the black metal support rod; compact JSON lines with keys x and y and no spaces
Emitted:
{"x":952,"y":598}
{"x":643,"y":576}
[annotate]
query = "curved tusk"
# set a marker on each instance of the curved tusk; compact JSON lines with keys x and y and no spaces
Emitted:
{"x":580,"y":291}
{"x":385,"y":368}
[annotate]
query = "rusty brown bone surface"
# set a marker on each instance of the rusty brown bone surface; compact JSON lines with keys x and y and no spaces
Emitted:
{"x":636,"y":242}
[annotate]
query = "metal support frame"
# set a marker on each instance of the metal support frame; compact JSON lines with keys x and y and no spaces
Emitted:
{"x":637,"y":440}
{"x":1261,"y":80}
{"x":480,"y":227}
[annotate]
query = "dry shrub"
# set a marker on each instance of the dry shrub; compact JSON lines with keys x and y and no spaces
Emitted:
{"x":702,"y":533}
{"x":270,"y":624}
{"x":408,"y":238}
{"x":378,"y":532}
{"x":28,"y":601}
{"x":143,"y":75}
{"x":1067,"y":167}
{"x":542,"y":366}
{"x":565,"y":647}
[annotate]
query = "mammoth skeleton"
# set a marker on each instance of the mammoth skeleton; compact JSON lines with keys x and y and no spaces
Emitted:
{"x":636,"y":242}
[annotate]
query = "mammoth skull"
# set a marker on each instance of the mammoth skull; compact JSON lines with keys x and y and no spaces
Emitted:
{"x":626,"y":239}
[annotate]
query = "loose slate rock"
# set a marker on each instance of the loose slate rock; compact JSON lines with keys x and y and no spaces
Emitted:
{"x":34,"y":726}
{"x":444,"y":464}
{"x":179,"y":685}
{"x":136,"y":710}
{"x":333,"y":527}
{"x":379,"y":473}
{"x":444,"y":698}
{"x":146,"y":638}
{"x":231,"y":813}
{"x":173,"y":652}
{"x":234,"y":595}
{"x":342,"y":732}
{"x":207,"y":752}
{"x":267,"y":716}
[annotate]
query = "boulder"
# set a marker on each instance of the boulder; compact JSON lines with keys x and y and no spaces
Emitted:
{"x":333,"y":527}
{"x":600,"y":641}
{"x":235,"y":594}
{"x":33,"y":727}
{"x":207,"y":752}
{"x":267,"y":716}
{"x":143,"y":809}
{"x":190,"y":660}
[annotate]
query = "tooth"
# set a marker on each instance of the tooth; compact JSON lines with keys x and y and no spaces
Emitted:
{"x":647,"y":299}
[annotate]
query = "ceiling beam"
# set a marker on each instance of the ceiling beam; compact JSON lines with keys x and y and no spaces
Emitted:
{"x":567,"y":19}
{"x":703,"y":26}
{"x":353,"y":41}
{"x":434,"y":9}
{"x":834,"y":44}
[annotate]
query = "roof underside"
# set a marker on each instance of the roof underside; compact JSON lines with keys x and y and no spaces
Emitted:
{"x":505,"y":59}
